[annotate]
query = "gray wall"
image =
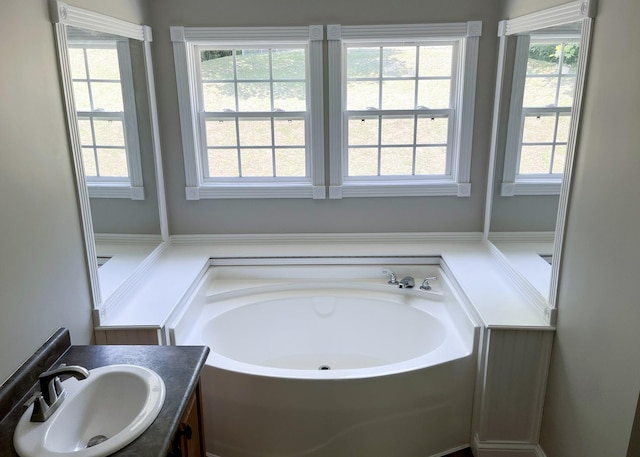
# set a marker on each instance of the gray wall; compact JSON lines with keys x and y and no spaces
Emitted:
{"x":306,"y":215}
{"x":43,"y":278}
{"x":595,"y":370}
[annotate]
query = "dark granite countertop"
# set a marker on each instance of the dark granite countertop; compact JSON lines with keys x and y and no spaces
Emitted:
{"x":178,"y":366}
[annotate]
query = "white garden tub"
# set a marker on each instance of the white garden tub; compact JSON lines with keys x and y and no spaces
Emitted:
{"x":330,"y":360}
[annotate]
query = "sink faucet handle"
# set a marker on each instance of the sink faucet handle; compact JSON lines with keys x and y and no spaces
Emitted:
{"x":392,"y":277}
{"x":40,"y":407}
{"x":425,"y":283}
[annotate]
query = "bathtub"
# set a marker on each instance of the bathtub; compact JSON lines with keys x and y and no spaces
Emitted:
{"x":331,"y":361}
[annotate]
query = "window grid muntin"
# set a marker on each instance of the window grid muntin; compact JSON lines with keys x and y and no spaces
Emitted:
{"x":379,"y":145}
{"x":275,"y":113}
{"x":557,"y":113}
{"x":559,"y":75}
{"x":419,"y":111}
{"x":97,"y":113}
{"x":236,"y":117}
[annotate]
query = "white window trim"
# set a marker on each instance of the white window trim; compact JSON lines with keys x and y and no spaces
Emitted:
{"x":459,"y":183}
{"x":512,"y":183}
{"x":185,"y":39}
{"x":133,"y":186}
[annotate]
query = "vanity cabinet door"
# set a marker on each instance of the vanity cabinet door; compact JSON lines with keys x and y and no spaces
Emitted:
{"x":189,"y":440}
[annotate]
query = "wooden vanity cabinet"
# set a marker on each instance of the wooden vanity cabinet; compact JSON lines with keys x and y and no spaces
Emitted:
{"x":189,"y":439}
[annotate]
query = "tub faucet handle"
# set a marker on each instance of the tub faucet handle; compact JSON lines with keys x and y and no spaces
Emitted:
{"x":393,"y":280}
{"x":425,"y":283}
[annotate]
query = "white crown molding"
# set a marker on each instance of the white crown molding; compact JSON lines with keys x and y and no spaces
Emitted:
{"x":61,"y":13}
{"x":559,"y":15}
{"x":240,"y":35}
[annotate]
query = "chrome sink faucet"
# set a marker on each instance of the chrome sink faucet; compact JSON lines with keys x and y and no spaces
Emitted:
{"x":52,"y":394}
{"x":407,"y":282}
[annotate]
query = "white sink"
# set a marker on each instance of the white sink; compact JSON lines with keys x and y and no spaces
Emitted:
{"x":116,"y":402}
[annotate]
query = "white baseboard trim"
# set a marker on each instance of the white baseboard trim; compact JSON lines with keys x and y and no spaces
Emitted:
{"x":505,"y":449}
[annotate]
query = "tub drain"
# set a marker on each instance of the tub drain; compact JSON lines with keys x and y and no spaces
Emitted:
{"x":324,"y":367}
{"x":96,"y":440}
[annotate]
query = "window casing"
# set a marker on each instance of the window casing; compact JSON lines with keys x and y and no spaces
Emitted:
{"x":401,"y":113}
{"x":542,"y":96}
{"x":105,"y":104}
{"x":251,"y":111}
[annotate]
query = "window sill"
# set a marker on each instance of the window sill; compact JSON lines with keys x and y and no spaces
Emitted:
{"x":531,"y":187}
{"x":115,"y":190}
{"x":256,"y":190}
{"x":401,"y":189}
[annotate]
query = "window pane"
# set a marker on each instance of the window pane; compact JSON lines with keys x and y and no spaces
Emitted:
{"x":108,"y":132}
{"x":570,"y":58}
{"x":535,"y":159}
{"x":363,"y":95}
{"x":363,"y":162}
{"x":567,"y":91}
{"x":397,"y":130}
{"x":256,"y":162}
{"x":219,"y":97}
{"x":113,"y":162}
{"x":288,"y":132}
{"x":76,"y":63}
{"x":223,"y":163}
{"x":81,"y":96}
{"x":89,"y":162}
{"x":103,"y":64}
{"x":398,"y":95}
{"x":84,"y":127}
{"x":363,"y":63}
{"x":432,"y":130}
{"x":564,"y":121}
{"x":254,"y":132}
{"x":434,"y":93}
{"x":559,"y":159}
{"x":290,"y":163}
{"x":107,"y":96}
{"x":288,"y":63}
{"x":542,"y":59}
{"x":399,"y":61}
{"x":252,"y":64}
{"x":363,"y":131}
{"x":396,"y":161}
{"x":431,"y":161}
{"x":254,"y":97}
{"x":289,"y":96}
{"x":435,"y":61}
{"x":221,"y":132}
{"x":216,"y":64}
{"x":540,"y":92}
{"x":539,"y":129}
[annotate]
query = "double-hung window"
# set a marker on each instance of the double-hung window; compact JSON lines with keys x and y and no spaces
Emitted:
{"x":544,"y":81}
{"x":102,"y":78}
{"x":402,"y":100}
{"x":251,"y":111}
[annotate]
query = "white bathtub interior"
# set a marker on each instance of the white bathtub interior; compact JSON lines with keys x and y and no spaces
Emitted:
{"x":324,"y":358}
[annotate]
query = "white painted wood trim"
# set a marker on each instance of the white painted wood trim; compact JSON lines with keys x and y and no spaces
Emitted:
{"x":499,"y":449}
{"x":334,"y":39}
{"x":493,"y":148}
{"x":155,"y":136}
{"x":403,"y":32}
{"x":576,"y":110}
{"x":531,"y":187}
{"x":322,"y":238}
{"x":514,"y":123}
{"x":316,"y":111}
{"x":397,"y":189}
{"x":81,"y":187}
{"x":114,"y":190}
{"x":62,"y":13}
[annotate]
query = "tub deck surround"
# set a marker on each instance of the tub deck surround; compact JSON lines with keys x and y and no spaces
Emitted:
{"x":152,"y":302}
{"x":179,"y":367}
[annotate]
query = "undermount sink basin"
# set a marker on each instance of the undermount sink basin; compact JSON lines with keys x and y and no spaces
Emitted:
{"x":99,"y":416}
